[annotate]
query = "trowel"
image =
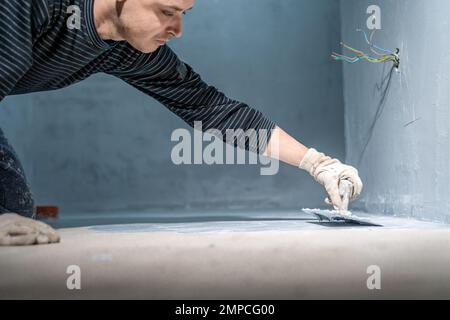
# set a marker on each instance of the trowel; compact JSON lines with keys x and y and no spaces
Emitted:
{"x":344,"y":215}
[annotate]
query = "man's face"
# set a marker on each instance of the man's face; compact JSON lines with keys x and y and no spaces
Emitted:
{"x":149,"y":24}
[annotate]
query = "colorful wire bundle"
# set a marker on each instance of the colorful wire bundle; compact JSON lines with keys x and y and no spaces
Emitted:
{"x":382,"y":57}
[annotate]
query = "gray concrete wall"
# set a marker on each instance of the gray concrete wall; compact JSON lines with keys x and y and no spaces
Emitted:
{"x":102,"y":145}
{"x":401,"y":143}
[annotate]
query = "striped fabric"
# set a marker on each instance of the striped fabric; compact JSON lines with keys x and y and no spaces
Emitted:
{"x":39,"y":52}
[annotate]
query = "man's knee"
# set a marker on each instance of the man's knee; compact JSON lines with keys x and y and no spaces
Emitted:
{"x":15,"y":194}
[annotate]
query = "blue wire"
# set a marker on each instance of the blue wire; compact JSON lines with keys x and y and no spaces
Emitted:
{"x":376,"y":47}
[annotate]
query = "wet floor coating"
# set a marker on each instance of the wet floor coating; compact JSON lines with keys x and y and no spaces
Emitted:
{"x":226,"y":221}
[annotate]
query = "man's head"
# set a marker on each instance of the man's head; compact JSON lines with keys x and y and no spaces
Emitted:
{"x":146,"y":24}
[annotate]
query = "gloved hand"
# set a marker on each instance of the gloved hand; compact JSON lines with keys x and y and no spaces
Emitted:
{"x":330,"y":173}
{"x":16,"y":230}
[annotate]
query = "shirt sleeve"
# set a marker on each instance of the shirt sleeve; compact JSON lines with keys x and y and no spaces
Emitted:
{"x":20,"y":22}
{"x":163,"y":76}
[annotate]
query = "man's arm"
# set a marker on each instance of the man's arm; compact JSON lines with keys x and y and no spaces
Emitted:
{"x":163,"y":76}
{"x":175,"y":84}
{"x":20,"y":23}
{"x":285,"y":148}
{"x":15,"y":43}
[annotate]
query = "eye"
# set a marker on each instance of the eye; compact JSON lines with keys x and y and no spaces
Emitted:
{"x":167,"y":13}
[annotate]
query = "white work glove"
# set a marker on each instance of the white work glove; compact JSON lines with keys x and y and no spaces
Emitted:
{"x":20,"y":231}
{"x":330,"y":173}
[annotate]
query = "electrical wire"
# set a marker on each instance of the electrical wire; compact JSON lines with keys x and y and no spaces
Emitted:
{"x":373,"y":45}
{"x":360,"y":55}
{"x":371,"y":41}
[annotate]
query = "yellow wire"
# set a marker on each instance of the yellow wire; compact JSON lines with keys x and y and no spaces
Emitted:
{"x":362,"y":55}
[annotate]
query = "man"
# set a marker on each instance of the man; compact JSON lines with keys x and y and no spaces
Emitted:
{"x":39,"y":50}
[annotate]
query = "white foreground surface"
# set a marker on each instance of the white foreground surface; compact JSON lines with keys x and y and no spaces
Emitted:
{"x":256,"y":259}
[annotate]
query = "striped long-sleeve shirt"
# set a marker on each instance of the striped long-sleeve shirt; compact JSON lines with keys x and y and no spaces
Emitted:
{"x":38,"y":52}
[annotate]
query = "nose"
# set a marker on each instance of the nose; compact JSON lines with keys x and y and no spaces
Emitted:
{"x":176,"y":30}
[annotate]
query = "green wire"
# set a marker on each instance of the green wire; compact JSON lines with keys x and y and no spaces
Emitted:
{"x":363,"y":56}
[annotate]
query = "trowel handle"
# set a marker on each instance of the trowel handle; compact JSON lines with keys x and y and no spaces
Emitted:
{"x":345,"y":191}
{"x":345,"y":187}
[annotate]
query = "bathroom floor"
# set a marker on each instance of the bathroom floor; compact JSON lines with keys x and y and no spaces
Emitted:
{"x":231,"y":255}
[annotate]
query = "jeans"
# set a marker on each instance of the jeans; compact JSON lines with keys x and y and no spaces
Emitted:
{"x":15,"y":193}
